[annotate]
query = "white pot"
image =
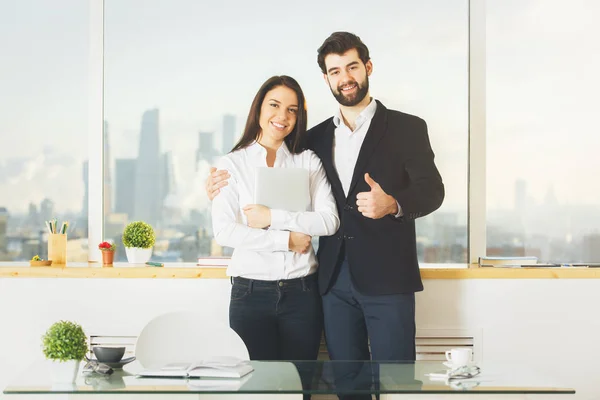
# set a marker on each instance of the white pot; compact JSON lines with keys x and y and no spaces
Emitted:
{"x":137,"y":255}
{"x":64,"y":372}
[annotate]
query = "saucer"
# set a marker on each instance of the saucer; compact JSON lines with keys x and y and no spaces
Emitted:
{"x":452,"y":366}
{"x":120,"y":364}
{"x":114,"y":365}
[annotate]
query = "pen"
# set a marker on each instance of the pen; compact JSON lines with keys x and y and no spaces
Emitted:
{"x":155,"y":264}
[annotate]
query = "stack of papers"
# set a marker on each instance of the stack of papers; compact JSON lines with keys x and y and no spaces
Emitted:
{"x":219,"y":367}
{"x":464,"y":372}
{"x":507,"y":262}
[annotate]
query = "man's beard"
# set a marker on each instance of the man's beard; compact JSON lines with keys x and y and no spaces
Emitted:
{"x":361,"y":93}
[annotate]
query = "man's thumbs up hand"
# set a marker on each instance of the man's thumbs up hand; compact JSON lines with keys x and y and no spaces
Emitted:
{"x":376,"y":203}
{"x":371,"y":182}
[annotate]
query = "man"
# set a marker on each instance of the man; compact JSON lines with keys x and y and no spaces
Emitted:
{"x":381,"y":168}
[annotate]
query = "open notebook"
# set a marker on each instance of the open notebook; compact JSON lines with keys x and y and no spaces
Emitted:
{"x":218,"y":367}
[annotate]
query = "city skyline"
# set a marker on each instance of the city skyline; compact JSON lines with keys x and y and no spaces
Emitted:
{"x":198,"y":64}
{"x":520,"y":227}
{"x":159,"y":68}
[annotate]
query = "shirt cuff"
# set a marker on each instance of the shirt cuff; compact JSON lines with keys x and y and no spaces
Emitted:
{"x":281,"y":239}
{"x":277,"y":219}
{"x":400,"y":213}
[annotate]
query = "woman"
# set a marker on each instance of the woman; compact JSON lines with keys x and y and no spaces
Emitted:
{"x":275,"y":304}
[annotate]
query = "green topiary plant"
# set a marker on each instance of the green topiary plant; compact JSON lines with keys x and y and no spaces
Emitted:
{"x":139,"y":234}
{"x":65,"y":341}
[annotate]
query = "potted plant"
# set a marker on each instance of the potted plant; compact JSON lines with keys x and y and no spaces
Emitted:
{"x":37,"y":261}
{"x":138,"y":239}
{"x":65,"y":344}
{"x":108,"y":252}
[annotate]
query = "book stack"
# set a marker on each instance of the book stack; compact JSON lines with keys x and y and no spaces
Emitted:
{"x":213,"y":261}
{"x":507,"y":262}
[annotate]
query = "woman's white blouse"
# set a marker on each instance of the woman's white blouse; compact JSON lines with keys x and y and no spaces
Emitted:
{"x":263,"y":253}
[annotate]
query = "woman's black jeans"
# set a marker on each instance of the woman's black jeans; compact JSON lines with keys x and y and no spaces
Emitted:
{"x":277,"y":320}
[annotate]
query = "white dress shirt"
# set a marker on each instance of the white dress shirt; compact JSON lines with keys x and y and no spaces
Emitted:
{"x":263,"y":253}
{"x":348,"y":142}
{"x":347,"y":145}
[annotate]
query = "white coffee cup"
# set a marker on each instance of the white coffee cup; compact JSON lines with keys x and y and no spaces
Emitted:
{"x":459,"y":357}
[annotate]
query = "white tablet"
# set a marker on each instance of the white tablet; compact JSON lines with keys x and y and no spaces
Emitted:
{"x":282,"y":188}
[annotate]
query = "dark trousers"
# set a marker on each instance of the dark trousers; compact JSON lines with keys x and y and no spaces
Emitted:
{"x":353,"y":321}
{"x":277,"y":320}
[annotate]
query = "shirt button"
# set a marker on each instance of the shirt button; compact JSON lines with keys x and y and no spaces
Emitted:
{"x":280,"y":284}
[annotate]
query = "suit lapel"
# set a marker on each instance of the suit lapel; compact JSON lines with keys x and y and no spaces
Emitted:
{"x":327,"y":160}
{"x":374,"y":135}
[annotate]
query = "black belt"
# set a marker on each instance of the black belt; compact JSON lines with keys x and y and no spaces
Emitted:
{"x":280,"y":282}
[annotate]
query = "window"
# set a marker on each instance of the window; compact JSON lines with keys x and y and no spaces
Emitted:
{"x":43,"y":125}
{"x":180,"y":77}
{"x":542,"y":85}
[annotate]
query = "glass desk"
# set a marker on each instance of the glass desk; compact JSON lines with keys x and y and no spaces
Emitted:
{"x":389,"y":379}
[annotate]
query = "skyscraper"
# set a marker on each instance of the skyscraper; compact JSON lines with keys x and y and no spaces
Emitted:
{"x":3,"y":229}
{"x":46,"y":210}
{"x":125,"y":186}
{"x":228,"y":132}
{"x":520,"y":195}
{"x":170,"y":172}
{"x":148,"y":193}
{"x":206,"y":147}
{"x":33,"y":217}
{"x":591,"y":248}
{"x":172,"y":210}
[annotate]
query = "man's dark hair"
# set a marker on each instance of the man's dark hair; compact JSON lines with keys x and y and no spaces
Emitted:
{"x":339,"y":43}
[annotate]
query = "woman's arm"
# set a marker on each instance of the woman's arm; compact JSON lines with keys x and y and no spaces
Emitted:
{"x":227,"y":229}
{"x":323,"y":220}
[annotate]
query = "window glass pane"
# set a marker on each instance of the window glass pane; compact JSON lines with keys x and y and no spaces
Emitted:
{"x":43,"y":125}
{"x":180,"y":77}
{"x":543,"y":195}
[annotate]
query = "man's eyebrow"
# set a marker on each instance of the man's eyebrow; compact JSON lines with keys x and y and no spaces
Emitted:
{"x":347,"y":65}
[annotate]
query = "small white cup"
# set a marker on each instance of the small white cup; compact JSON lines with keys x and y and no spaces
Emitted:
{"x":459,"y":357}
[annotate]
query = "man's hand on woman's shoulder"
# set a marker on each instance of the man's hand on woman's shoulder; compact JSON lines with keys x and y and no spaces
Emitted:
{"x":216,"y":180}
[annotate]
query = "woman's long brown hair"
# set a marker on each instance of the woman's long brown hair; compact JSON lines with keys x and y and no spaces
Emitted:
{"x":296,"y":140}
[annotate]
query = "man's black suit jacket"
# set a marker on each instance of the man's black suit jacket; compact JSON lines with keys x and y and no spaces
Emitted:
{"x":382,"y":253}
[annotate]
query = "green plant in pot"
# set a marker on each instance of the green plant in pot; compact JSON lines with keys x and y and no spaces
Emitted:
{"x":65,"y":343}
{"x":138,"y":239}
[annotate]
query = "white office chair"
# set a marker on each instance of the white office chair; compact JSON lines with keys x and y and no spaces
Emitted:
{"x":186,"y":337}
{"x":190,"y":337}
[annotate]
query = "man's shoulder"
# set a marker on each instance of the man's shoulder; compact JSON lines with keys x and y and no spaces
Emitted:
{"x":321,"y":126}
{"x":402,"y":116}
{"x":315,"y":134}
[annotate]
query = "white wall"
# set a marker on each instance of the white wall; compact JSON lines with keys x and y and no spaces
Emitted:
{"x":102,"y":306}
{"x":548,"y":324}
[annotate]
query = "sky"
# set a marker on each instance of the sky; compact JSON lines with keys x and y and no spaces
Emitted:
{"x":196,"y":62}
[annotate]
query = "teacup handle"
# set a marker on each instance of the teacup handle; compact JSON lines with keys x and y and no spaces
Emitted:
{"x":449,"y":355}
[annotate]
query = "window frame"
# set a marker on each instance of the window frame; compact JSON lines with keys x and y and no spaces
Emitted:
{"x":476,"y":179}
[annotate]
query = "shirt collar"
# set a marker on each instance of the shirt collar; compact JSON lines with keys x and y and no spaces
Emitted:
{"x":365,"y":115}
{"x":256,"y":149}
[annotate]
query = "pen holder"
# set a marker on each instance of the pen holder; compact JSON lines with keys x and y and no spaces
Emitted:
{"x":57,"y":248}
